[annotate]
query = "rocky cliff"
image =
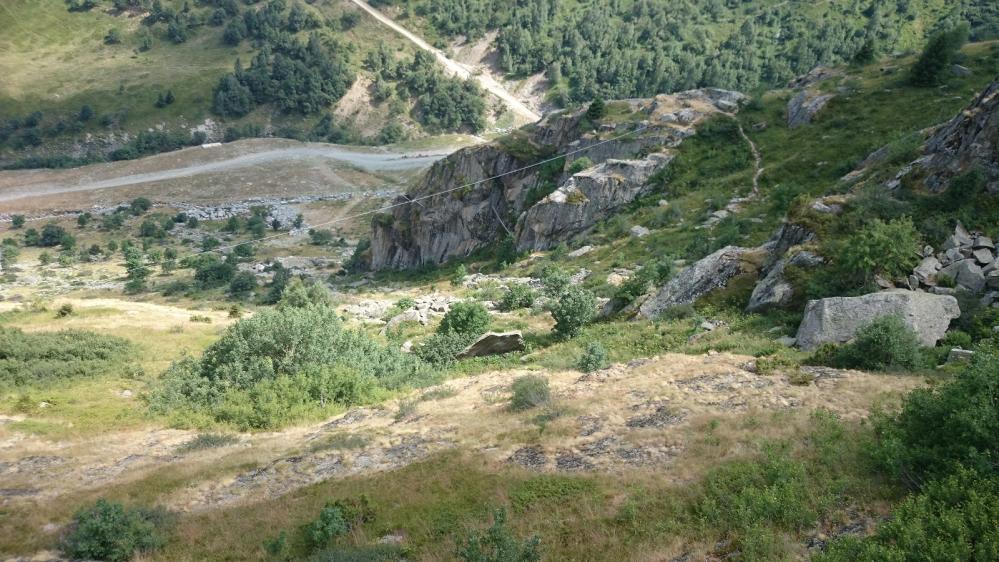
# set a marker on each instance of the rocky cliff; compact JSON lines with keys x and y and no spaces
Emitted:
{"x":969,"y":140}
{"x":480,"y":195}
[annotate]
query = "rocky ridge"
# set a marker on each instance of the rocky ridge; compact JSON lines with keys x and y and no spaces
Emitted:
{"x":482,"y":194}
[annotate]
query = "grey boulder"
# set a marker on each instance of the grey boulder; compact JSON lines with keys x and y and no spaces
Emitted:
{"x":494,"y":343}
{"x":967,"y":274}
{"x":706,"y":275}
{"x":837,"y":320}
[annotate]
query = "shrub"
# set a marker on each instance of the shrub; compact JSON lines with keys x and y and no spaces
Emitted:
{"x":65,"y":310}
{"x":885,"y":344}
{"x":458,"y":277}
{"x":337,"y":519}
{"x":554,"y":280}
{"x":208,"y":441}
{"x":498,"y":544}
{"x":573,"y":310}
{"x":282,"y":364}
{"x":579,"y":164}
{"x":938,"y":429}
{"x":516,"y":297}
{"x":529,"y":391}
{"x":42,"y":357}
{"x":467,"y":319}
{"x":442,"y":348}
{"x":108,"y":531}
{"x":889,"y":249}
{"x":593,"y":359}
{"x":242,"y":283}
{"x":937,"y":56}
{"x":956,"y":518}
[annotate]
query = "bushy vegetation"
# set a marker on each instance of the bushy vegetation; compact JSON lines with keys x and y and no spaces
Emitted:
{"x":575,"y":308}
{"x":336,"y":520}
{"x":529,"y":391}
{"x":463,"y":323}
{"x":111,"y":532}
{"x":499,"y":544}
{"x":885,"y":344}
{"x":594,"y":358}
{"x":937,"y":56}
{"x":517,"y":296}
{"x":617,"y":50}
{"x":943,"y":444}
{"x":468,"y":319}
{"x":208,"y":441}
{"x":294,"y":77}
{"x":283,"y":364}
{"x":46,"y":357}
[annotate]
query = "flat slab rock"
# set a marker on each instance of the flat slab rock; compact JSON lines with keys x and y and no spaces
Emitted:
{"x":837,"y":320}
{"x":494,"y":343}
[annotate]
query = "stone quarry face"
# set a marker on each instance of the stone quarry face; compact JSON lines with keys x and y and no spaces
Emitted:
{"x":837,"y":320}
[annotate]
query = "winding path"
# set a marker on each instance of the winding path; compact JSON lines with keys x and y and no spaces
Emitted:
{"x":453,"y":67}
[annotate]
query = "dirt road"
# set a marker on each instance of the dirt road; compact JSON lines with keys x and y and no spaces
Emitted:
{"x":455,"y":68}
{"x":371,"y":161}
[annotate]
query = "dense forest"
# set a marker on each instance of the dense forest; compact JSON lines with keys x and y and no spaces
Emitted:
{"x":628,"y":48}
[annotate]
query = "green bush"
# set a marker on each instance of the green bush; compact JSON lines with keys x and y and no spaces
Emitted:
{"x":458,"y":277}
{"x":890,"y":249}
{"x":516,"y":297}
{"x":46,"y":357}
{"x":337,"y":519}
{"x":441,"y":349}
{"x":573,"y":310}
{"x":955,"y":518}
{"x":208,"y":441}
{"x":279,"y":365}
{"x":936,"y":58}
{"x":954,"y":424}
{"x":467,"y":319}
{"x":886,"y":344}
{"x":108,"y":531}
{"x":529,"y":391}
{"x":498,"y":544}
{"x":594,"y":358}
{"x":554,"y":280}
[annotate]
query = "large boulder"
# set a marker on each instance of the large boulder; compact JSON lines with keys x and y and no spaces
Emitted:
{"x":704,"y":276}
{"x":837,"y":320}
{"x":494,"y":343}
{"x":804,"y":106}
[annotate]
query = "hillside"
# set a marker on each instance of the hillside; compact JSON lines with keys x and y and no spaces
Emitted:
{"x":688,"y":325}
{"x":104,"y":75}
{"x":111,"y":69}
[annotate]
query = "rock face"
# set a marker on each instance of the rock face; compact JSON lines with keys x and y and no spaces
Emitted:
{"x":773,"y":290}
{"x":837,"y":319}
{"x":493,"y":343}
{"x":710,"y":273}
{"x":969,"y":140}
{"x":585,"y":198}
{"x":479,"y":195}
